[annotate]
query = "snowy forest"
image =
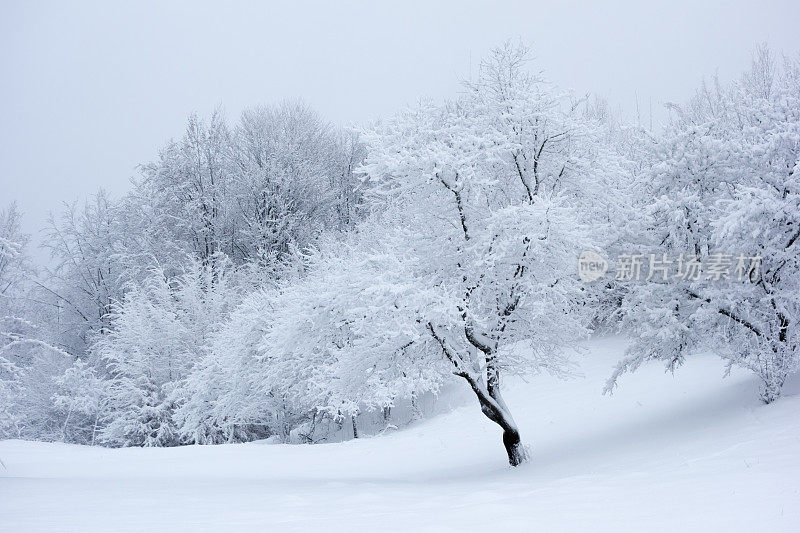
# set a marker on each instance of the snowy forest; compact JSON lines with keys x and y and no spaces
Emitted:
{"x":275,"y":276}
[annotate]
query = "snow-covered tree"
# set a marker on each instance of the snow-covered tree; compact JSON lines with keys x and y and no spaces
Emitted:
{"x":10,"y":273}
{"x":254,"y":192}
{"x":15,"y":266}
{"x":503,"y":188}
{"x":481,"y":207}
{"x":299,"y":360}
{"x":157,"y":333}
{"x":288,"y":180}
{"x":185,"y":192}
{"x":83,"y":397}
{"x":86,"y":276}
{"x":9,"y":390}
{"x":28,"y":364}
{"x":242,"y":200}
{"x":725,"y":191}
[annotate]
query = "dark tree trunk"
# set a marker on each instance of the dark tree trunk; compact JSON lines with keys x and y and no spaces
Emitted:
{"x":517,"y":454}
{"x":496,"y":411}
{"x":514,"y":447}
{"x":491,"y":401}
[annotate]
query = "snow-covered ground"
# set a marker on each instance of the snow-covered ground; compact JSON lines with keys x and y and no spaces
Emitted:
{"x":690,"y":452}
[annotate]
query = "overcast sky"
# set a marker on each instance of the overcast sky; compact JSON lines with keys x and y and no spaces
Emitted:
{"x":91,"y":89}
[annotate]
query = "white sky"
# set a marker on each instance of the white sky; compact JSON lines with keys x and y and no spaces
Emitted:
{"x":88,"y":90}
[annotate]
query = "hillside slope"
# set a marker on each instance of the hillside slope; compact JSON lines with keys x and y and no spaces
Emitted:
{"x":692,"y":452}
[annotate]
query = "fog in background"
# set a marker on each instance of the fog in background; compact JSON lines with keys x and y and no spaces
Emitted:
{"x":91,"y":89}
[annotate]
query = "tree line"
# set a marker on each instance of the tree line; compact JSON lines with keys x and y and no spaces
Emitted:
{"x":283,"y":278}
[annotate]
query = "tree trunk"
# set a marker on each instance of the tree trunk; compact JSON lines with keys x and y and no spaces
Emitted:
{"x":494,"y":407}
{"x":775,"y":370}
{"x":514,"y":447}
{"x":516,"y":451}
{"x":512,"y":441}
{"x":489,"y":397}
{"x":773,"y":384}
